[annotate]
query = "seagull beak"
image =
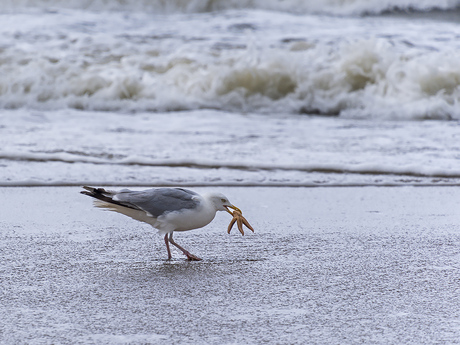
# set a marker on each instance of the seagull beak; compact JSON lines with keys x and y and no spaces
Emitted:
{"x":232,"y":207}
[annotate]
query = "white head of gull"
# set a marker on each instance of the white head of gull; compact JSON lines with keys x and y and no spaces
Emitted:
{"x":166,"y":209}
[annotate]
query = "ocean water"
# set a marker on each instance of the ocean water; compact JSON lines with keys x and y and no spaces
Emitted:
{"x":259,"y":93}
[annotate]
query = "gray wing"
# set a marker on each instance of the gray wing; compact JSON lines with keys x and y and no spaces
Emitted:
{"x":158,"y":201}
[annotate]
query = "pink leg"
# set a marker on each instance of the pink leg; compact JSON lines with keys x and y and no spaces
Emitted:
{"x":167,"y":247}
{"x":190,"y":257}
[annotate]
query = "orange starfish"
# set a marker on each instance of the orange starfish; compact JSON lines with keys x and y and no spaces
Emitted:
{"x":240,"y":220}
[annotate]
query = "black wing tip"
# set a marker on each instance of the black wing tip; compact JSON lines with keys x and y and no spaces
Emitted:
{"x":88,"y":190}
{"x":103,"y":195}
{"x":98,"y":193}
{"x":92,"y":191}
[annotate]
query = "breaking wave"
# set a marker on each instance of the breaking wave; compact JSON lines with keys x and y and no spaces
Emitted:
{"x":369,"y":78}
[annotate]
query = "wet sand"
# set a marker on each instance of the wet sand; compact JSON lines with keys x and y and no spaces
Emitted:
{"x":369,"y":265}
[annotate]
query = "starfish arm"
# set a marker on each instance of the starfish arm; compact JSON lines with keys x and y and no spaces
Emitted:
{"x":239,"y":222}
{"x":245,"y":222}
{"x":230,"y":226}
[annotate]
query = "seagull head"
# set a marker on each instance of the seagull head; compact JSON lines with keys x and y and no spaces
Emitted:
{"x":221,"y":202}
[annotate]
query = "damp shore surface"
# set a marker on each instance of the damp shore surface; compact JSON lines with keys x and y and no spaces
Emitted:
{"x":348,"y":265}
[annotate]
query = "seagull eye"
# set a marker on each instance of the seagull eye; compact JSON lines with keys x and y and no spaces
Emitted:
{"x":223,"y":200}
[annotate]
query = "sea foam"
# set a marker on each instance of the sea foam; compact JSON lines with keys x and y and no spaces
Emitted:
{"x":364,"y":78}
{"x":237,"y":61}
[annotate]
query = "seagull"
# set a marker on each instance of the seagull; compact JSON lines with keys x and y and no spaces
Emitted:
{"x":166,"y":209}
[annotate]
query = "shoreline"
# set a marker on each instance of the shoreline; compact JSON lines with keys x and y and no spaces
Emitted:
{"x":229,"y":185}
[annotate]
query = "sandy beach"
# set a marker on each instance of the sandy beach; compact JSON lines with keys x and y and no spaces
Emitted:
{"x":346,"y":265}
